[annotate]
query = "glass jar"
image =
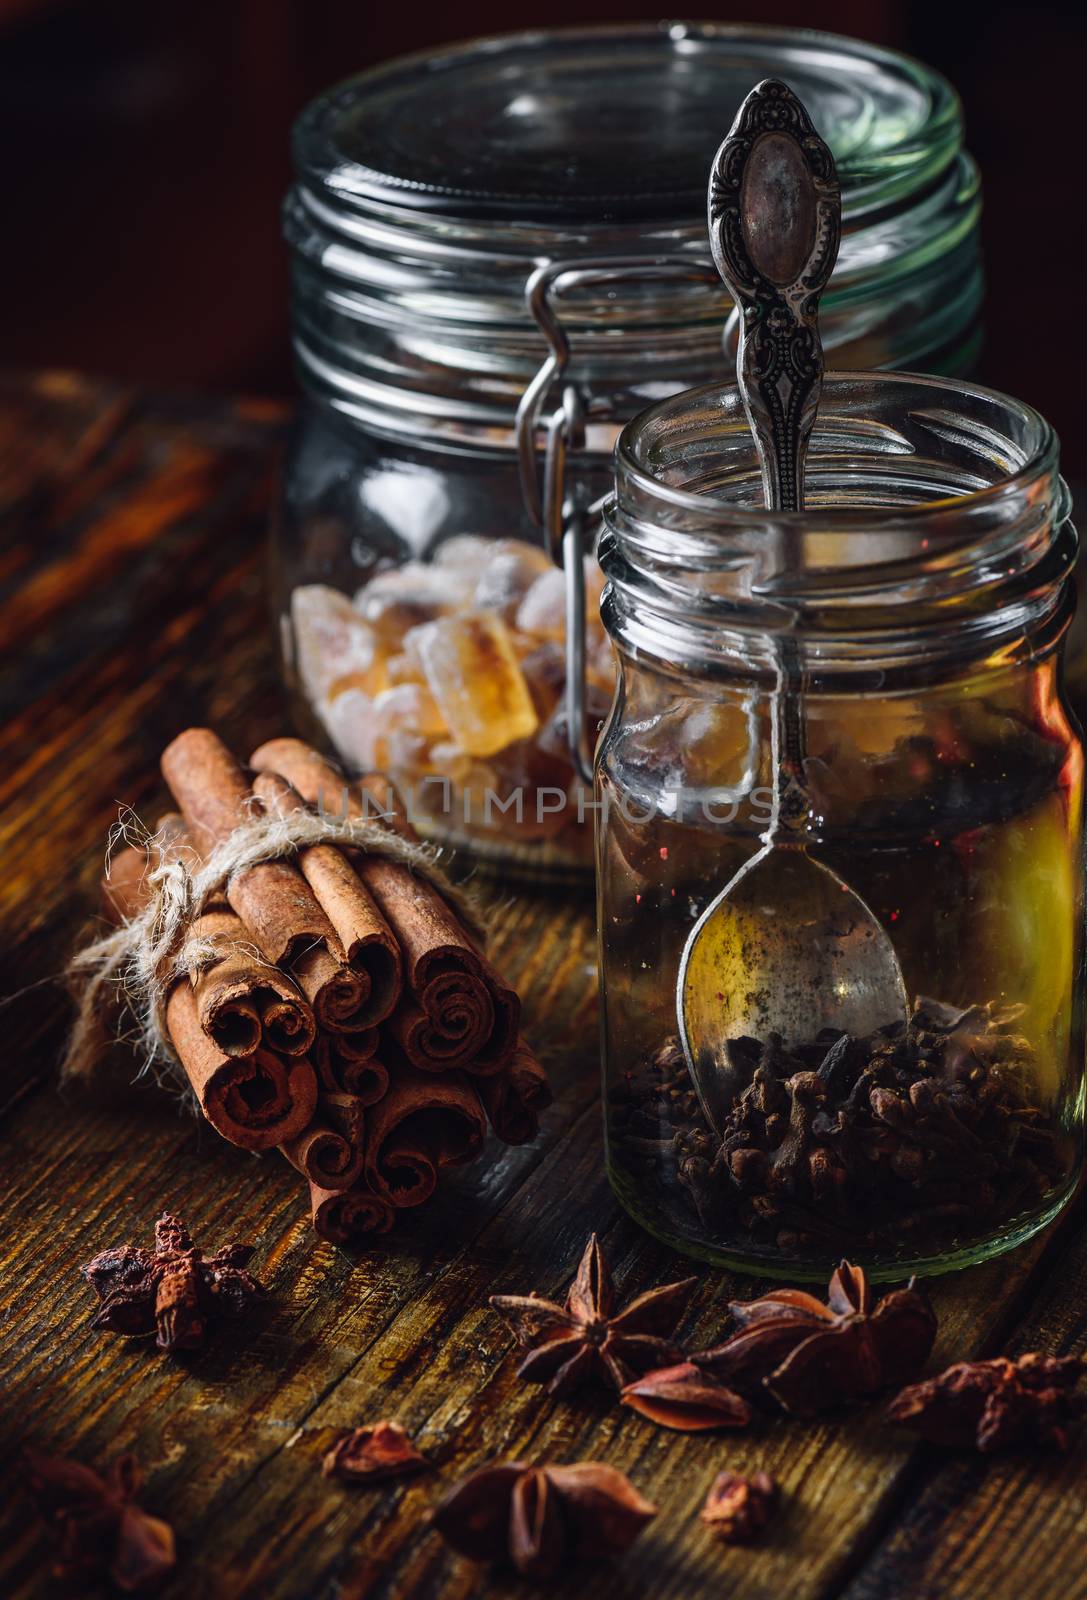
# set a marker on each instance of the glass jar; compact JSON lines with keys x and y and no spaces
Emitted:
{"x":453,"y":215}
{"x":924,"y":592}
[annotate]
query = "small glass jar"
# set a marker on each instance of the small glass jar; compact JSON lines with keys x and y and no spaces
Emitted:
{"x":924,"y":592}
{"x":448,"y":208}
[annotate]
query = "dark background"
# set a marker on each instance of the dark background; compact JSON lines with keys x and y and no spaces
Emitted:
{"x":146,"y":152}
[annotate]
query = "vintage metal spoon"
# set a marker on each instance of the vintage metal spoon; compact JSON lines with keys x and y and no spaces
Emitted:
{"x":786,"y":946}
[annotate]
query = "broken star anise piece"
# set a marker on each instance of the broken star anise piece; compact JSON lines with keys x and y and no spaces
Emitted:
{"x":737,"y":1509}
{"x":101,"y":1531}
{"x":687,"y":1399}
{"x":173,"y":1291}
{"x":586,"y":1337}
{"x":371,"y":1454}
{"x":810,"y":1356}
{"x":542,"y":1519}
{"x":990,"y":1405}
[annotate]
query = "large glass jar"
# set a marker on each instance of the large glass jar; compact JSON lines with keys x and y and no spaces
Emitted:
{"x":422,"y":623}
{"x":922,"y":597}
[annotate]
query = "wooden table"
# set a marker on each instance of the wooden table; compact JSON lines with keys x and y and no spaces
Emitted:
{"x":131,"y":605}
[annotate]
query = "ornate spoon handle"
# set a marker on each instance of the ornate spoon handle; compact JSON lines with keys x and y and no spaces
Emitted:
{"x":775,"y":222}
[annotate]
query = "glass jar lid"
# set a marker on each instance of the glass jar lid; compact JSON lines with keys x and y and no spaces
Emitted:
{"x":429,"y":190}
{"x":616,"y":124}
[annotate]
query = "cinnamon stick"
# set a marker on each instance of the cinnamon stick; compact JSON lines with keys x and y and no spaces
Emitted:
{"x":273,"y":899}
{"x":367,"y":940}
{"x":330,"y":1151}
{"x":514,"y":1097}
{"x":254,"y":1101}
{"x":425,"y":1122}
{"x":448,"y":1018}
{"x":347,"y":1216}
{"x":347,"y":1063}
{"x":242,"y":1000}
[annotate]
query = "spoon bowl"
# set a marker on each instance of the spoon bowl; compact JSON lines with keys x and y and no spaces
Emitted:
{"x":787,"y":947}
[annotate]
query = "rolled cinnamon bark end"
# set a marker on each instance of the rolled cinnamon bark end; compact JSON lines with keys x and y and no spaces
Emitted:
{"x":497,"y":1049}
{"x":368,"y":941}
{"x":425,"y":1122}
{"x":339,"y":1071}
{"x":348,"y":1216}
{"x":255,"y":1101}
{"x":447,"y":1026}
{"x":287,"y":1024}
{"x":449,"y":1015}
{"x":242,"y":1000}
{"x":514,"y":1098}
{"x":336,"y":991}
{"x":324,"y":1156}
{"x":272,"y":899}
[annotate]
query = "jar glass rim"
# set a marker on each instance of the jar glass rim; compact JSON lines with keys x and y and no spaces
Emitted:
{"x":368,"y":140}
{"x":1037,"y":449}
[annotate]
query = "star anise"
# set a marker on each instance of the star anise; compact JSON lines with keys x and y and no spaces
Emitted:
{"x":372,"y":1454}
{"x":542,"y":1519}
{"x":586,"y":1336}
{"x":738,"y":1508}
{"x":810,"y":1356}
{"x":173,"y":1291}
{"x":102,"y":1532}
{"x":687,"y":1399}
{"x":989,"y":1405}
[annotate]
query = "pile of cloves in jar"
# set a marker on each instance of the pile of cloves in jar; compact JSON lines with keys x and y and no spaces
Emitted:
{"x":908,"y":1138}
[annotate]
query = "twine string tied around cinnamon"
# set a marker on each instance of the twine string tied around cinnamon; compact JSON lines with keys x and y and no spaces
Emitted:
{"x":133,"y":968}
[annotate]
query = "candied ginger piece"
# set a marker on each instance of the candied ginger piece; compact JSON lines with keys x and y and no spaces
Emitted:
{"x":405,"y":597}
{"x":513,"y":568}
{"x":474,"y":676}
{"x":332,"y":644}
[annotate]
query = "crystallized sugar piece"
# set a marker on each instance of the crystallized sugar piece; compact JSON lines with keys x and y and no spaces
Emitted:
{"x":543,"y":610}
{"x":334,"y":648}
{"x":410,"y":706}
{"x":403,"y":668}
{"x":474,"y":676}
{"x":404,"y":597}
{"x":350,"y":725}
{"x":544,"y":668}
{"x":512,"y":569}
{"x":468,"y":554}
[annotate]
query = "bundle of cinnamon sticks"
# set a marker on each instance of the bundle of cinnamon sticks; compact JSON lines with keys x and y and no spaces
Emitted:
{"x":333,"y":1003}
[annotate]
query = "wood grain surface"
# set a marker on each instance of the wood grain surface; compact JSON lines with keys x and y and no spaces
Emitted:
{"x":132,"y":603}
